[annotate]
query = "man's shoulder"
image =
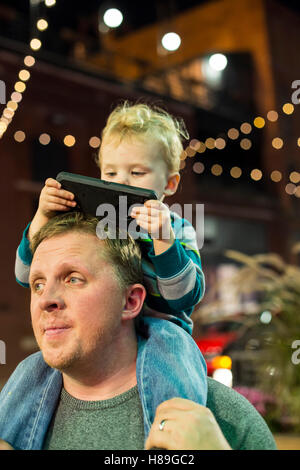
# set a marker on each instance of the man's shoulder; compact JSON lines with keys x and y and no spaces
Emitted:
{"x":31,"y":372}
{"x":242,"y":425}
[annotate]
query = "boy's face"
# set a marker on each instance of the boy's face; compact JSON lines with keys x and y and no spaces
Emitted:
{"x":136,"y":163}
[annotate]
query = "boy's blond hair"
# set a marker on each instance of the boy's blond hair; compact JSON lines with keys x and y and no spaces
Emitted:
{"x":144,"y":121}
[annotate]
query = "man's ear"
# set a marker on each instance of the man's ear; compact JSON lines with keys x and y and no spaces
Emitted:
{"x":172,"y":184}
{"x":135,"y":296}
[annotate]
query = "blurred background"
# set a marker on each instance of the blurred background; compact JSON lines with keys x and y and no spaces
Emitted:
{"x":230,"y":69}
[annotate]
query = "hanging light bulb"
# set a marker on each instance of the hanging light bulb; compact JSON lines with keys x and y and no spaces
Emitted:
{"x":218,"y":62}
{"x":113,"y":17}
{"x":171,"y":41}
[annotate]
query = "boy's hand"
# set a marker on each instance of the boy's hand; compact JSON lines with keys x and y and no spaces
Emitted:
{"x":155,"y":218}
{"x":52,"y":199}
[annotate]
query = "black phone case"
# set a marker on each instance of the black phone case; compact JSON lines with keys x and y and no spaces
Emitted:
{"x":91,"y":192}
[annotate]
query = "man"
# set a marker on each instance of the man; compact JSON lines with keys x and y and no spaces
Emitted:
{"x":89,"y":387}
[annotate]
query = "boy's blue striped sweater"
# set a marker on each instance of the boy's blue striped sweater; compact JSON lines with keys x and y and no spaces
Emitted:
{"x":174,"y":279}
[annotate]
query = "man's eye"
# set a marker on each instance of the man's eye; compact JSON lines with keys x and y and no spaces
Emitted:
{"x":74,"y":280}
{"x":110,"y":173}
{"x":37,"y":286}
{"x":138,"y":173}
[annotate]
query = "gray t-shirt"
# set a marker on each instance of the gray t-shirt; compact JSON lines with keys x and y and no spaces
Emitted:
{"x":114,"y":424}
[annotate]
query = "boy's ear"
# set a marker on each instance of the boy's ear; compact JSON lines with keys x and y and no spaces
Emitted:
{"x":135,"y":296}
{"x":172,"y":184}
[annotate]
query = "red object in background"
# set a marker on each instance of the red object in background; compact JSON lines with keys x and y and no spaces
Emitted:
{"x":213,"y":344}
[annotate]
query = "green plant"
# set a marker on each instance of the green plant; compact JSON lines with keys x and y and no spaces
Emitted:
{"x":276,"y":285}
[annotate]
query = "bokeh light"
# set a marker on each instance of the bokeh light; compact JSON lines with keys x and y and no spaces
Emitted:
{"x":198,"y":168}
{"x":288,"y":108}
{"x":277,"y":143}
{"x":69,"y":140}
{"x":171,"y":41}
{"x":235,"y":172}
{"x":256,"y":174}
{"x":19,"y":136}
{"x":44,"y":139}
{"x":35,"y":44}
{"x":94,"y":142}
{"x":259,"y":122}
{"x":276,"y":176}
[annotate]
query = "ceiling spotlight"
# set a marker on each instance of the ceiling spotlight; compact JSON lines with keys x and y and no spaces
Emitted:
{"x":218,"y":62}
{"x":50,"y":3}
{"x":113,"y":18}
{"x":171,"y":41}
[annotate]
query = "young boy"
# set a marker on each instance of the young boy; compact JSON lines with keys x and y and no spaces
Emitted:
{"x":141,"y":146}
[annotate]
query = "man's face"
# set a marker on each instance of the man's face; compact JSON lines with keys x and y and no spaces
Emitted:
{"x":76,"y":301}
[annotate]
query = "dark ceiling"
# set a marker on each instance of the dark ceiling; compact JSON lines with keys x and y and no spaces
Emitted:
{"x":77,"y":20}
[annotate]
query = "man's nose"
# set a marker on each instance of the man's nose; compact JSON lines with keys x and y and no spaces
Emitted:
{"x":51,"y":299}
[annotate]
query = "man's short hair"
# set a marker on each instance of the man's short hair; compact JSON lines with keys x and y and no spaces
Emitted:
{"x":123,"y":254}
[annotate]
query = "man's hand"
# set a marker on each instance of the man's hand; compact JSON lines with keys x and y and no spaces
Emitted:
{"x":5,"y":446}
{"x":52,"y":199}
{"x":155,"y":218}
{"x":188,"y":426}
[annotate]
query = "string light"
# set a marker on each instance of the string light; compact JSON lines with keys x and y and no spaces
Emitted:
{"x":277,"y":143}
{"x":246,"y":128}
{"x":235,"y":172}
{"x":20,"y":87}
{"x":288,"y":108}
{"x":44,"y":139}
{"x":94,"y":142}
{"x":69,"y":140}
{"x":276,"y":176}
{"x":195,"y":144}
{"x":42,"y":24}
{"x":220,"y":143}
{"x":19,"y":136}
{"x":290,"y":189}
{"x":297,"y":191}
{"x":29,"y":61}
{"x":190,"y":152}
{"x":259,"y":122}
{"x":272,"y":116}
{"x":246,"y":144}
{"x":295,"y":177}
{"x":198,"y":167}
{"x":24,"y":76}
{"x":233,"y":133}
{"x":35,"y":44}
{"x":210,"y":143}
{"x":256,"y":175}
{"x":216,"y":170}
{"x":16,"y":96}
